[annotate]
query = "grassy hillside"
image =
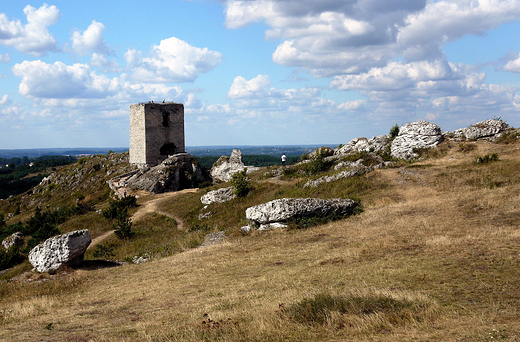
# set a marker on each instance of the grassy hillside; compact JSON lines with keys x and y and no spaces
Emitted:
{"x":433,"y":256}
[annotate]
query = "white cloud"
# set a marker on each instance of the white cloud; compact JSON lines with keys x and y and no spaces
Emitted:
{"x":42,"y":80}
{"x":32,"y":38}
{"x":90,"y":41}
{"x":334,"y":37}
{"x":243,"y":88}
{"x":513,"y":65}
{"x":173,"y":60}
{"x":102,"y":62}
{"x":5,"y":100}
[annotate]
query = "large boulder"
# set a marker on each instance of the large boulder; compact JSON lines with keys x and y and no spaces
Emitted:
{"x":67,"y":249}
{"x":219,"y":196}
{"x":485,"y":129}
{"x":225,"y":167}
{"x":16,"y":239}
{"x":282,"y":209}
{"x":417,"y":135}
{"x":175,"y":173}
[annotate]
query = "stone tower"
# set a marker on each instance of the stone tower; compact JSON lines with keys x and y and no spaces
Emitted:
{"x":156,"y":131}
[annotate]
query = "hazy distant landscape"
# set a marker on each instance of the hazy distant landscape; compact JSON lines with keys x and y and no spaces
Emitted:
{"x":296,"y":150}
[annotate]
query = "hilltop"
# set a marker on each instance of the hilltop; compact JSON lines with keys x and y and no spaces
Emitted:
{"x":433,"y":256}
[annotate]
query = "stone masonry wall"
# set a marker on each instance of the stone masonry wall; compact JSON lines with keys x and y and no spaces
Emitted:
{"x":156,"y":131}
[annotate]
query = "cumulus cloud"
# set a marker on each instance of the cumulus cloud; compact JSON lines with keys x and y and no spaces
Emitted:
{"x":513,"y":65}
{"x":102,"y":62}
{"x":79,"y":88}
{"x":58,"y":80}
{"x":341,"y":37}
{"x":34,"y":37}
{"x":173,"y":60}
{"x":90,"y":41}
{"x":243,"y":88}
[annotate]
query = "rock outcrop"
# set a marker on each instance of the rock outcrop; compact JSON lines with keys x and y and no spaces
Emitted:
{"x":175,"y":173}
{"x":375,"y":144}
{"x":67,"y":249}
{"x":225,"y":167}
{"x":343,"y":174}
{"x":16,"y":239}
{"x":416,"y":135}
{"x":282,"y":209}
{"x":481,"y":130}
{"x":218,"y":196}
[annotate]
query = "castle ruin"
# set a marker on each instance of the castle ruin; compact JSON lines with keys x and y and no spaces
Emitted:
{"x":156,"y":132}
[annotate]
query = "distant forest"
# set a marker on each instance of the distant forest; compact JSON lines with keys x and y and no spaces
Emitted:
{"x":18,"y":175}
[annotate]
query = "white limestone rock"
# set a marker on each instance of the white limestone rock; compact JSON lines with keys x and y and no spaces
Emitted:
{"x":225,"y":167}
{"x":282,"y":209}
{"x":66,"y":249}
{"x":375,"y":144}
{"x":485,"y":129}
{"x":416,"y":135}
{"x":16,"y":239}
{"x":219,"y":196}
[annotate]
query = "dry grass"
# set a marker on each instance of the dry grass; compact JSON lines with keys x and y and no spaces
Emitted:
{"x":434,"y":256}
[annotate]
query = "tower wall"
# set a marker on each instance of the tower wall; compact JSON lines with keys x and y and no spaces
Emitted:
{"x":156,"y":131}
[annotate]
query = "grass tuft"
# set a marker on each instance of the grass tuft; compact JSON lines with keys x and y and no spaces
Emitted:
{"x":363,"y":310}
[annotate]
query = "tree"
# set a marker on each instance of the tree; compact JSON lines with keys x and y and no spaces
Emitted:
{"x":241,"y":184}
{"x":394,"y":131}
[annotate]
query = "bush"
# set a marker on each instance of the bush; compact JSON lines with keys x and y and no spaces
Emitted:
{"x":123,"y":228}
{"x":317,"y":165}
{"x":104,"y":251}
{"x":241,"y":184}
{"x":10,"y":257}
{"x":394,"y":131}
{"x":116,"y":206}
{"x":488,"y":158}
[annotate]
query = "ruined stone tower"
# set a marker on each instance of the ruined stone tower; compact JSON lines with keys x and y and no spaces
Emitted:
{"x":156,"y":131}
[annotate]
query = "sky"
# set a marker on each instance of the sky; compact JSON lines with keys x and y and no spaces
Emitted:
{"x":254,"y":72}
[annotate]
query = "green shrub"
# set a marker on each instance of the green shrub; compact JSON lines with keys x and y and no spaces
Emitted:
{"x":488,"y":158}
{"x":241,"y":184}
{"x":116,"y":206}
{"x":316,"y":165}
{"x":394,"y":131}
{"x":10,"y":257}
{"x":123,"y":227}
{"x":104,"y":251}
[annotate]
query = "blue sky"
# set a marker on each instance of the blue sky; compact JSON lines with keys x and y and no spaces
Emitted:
{"x":254,"y":72}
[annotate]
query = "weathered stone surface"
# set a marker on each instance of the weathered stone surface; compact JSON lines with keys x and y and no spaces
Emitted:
{"x":282,"y":209}
{"x":175,"y":173}
{"x":420,"y":134}
{"x":344,"y":174}
{"x":225,"y":167}
{"x":219,"y":196}
{"x":66,"y":249}
{"x":16,"y":239}
{"x":375,"y":144}
{"x":485,"y":129}
{"x":323,"y":151}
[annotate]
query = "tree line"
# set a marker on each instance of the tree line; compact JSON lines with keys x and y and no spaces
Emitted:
{"x":18,"y":175}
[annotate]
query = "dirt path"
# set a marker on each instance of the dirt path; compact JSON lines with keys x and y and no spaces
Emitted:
{"x":151,"y":206}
